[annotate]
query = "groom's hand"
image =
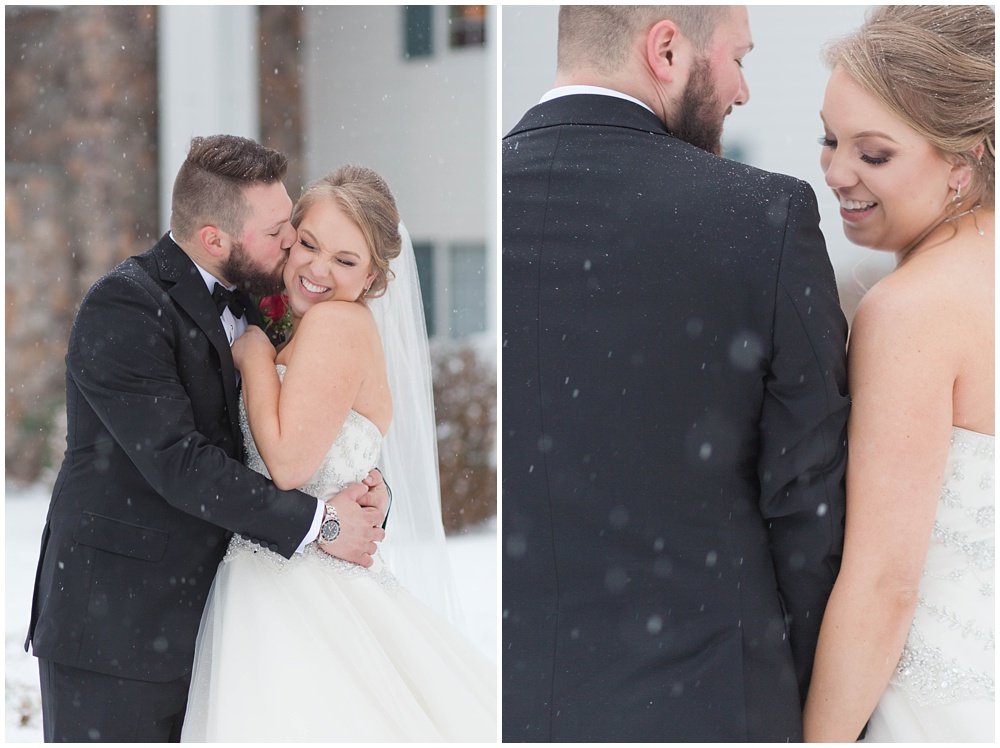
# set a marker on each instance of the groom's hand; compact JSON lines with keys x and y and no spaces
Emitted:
{"x":359,"y":535}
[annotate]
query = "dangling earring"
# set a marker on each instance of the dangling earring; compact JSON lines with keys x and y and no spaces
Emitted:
{"x":958,"y":193}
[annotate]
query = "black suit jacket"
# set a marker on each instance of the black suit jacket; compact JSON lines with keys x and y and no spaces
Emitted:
{"x":674,"y":411}
{"x":152,"y":483}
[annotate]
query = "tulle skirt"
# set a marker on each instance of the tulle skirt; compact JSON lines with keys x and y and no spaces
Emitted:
{"x":900,"y":719}
{"x":316,"y":649}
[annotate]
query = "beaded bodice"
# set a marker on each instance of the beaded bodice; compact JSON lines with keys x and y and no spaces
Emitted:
{"x":353,"y":453}
{"x":949,"y":653}
{"x":351,"y":456}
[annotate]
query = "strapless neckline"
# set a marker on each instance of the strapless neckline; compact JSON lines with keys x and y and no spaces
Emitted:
{"x":973,"y":433}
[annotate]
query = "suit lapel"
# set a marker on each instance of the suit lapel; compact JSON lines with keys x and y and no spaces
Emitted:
{"x":253,"y":315}
{"x":188,"y":290}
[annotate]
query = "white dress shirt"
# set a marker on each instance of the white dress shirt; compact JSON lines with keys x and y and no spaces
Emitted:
{"x":555,"y":93}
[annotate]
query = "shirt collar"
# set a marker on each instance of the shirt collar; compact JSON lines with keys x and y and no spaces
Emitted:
{"x":555,"y":93}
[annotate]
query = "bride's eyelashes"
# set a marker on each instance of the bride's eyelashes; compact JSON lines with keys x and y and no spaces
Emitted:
{"x":827,"y":142}
{"x":874,"y":160}
{"x":311,"y":248}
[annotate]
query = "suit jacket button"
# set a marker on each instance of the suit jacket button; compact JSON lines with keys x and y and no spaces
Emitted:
{"x":274,"y":547}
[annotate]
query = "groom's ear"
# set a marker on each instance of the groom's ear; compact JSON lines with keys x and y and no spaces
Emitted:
{"x":667,"y":52}
{"x":213,"y":240}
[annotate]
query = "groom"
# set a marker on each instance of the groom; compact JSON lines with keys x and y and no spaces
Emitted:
{"x":674,"y":399}
{"x":152,"y":484}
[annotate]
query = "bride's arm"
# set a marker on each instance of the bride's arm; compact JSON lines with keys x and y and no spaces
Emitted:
{"x":294,"y":423}
{"x":901,"y":378}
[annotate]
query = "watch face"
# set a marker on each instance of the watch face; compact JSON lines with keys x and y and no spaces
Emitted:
{"x":329,"y":531}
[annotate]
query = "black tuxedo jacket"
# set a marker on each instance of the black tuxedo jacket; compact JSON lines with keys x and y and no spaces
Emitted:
{"x":151,"y":484}
{"x":674,"y":411}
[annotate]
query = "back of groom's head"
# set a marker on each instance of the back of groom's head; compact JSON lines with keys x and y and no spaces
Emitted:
{"x":209,"y":186}
{"x":601,"y":37}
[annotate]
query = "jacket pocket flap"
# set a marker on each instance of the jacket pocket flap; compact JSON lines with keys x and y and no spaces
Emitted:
{"x":115,"y":536}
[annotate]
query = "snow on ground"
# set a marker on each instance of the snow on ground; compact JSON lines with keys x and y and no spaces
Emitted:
{"x":472,"y":554}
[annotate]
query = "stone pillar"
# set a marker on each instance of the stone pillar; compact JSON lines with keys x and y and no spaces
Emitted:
{"x":80,"y":192}
{"x":281,"y":113}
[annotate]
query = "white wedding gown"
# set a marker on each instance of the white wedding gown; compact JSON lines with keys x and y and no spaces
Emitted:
{"x":943,"y":687}
{"x":319,"y":649}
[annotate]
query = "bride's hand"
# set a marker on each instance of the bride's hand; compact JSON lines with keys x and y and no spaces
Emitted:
{"x":254,"y":342}
{"x":378,"y":494}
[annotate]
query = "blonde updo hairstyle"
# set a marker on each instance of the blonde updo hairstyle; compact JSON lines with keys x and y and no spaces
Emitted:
{"x":365,"y":197}
{"x":933,"y":67}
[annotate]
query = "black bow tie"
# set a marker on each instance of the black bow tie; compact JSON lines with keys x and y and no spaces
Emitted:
{"x":223,"y":298}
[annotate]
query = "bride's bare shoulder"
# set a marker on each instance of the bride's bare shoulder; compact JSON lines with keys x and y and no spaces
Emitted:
{"x":338,"y":318}
{"x":899,"y":300}
{"x":929,"y":307}
{"x":953,"y":277}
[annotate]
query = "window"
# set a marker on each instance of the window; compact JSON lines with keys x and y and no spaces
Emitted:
{"x":424,"y":252}
{"x":417,"y":20}
{"x":453,"y":286}
{"x":468,"y":289}
{"x":467,"y":25}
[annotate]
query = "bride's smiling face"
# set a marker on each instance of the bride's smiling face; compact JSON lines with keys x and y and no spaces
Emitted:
{"x":330,"y":259}
{"x":891,"y":183}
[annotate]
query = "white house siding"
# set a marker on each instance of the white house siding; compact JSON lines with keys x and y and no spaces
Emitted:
{"x":208,"y":81}
{"x":424,"y":124}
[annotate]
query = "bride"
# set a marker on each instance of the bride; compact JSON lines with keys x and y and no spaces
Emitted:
{"x":908,"y":636}
{"x":318,"y":648}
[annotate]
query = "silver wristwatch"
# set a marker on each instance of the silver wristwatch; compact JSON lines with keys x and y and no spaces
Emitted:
{"x":330,"y":529}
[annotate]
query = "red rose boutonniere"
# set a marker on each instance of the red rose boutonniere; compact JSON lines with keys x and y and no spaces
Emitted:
{"x":277,"y":314}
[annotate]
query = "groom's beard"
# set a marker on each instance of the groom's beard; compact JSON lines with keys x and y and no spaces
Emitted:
{"x":698,"y":120}
{"x":239,"y":268}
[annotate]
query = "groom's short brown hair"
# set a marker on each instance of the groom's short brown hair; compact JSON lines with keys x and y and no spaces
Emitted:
{"x":209,"y":186}
{"x":601,"y":36}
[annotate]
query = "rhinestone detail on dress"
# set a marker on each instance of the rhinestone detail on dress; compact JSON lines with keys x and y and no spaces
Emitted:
{"x":970,"y":442}
{"x":943,"y":614}
{"x":239,"y":546}
{"x":948,"y":655}
{"x":981,"y":552}
{"x":931,"y":678}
